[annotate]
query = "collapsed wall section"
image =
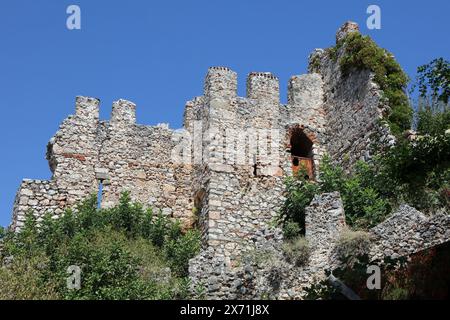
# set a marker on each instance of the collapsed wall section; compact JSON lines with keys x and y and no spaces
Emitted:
{"x":408,"y":231}
{"x":72,"y":154}
{"x":39,"y":197}
{"x":117,"y":154}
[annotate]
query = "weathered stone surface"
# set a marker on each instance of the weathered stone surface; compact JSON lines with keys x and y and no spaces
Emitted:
{"x":225,"y":170}
{"x":261,"y":269}
{"x":408,"y":231}
{"x":353,"y":106}
{"x":324,"y":222}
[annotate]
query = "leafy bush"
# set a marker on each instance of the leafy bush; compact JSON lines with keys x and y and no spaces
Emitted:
{"x":352,"y":245}
{"x":433,"y":109}
{"x":415,"y":172}
{"x":124,"y":252}
{"x":299,"y":193}
{"x":321,"y":290}
{"x":297,"y":251}
{"x":109,"y":269}
{"x":179,"y":250}
{"x":396,"y":294}
{"x":291,"y":229}
{"x":433,"y":121}
{"x":363,"y":203}
{"x":419,"y":172}
{"x":21,"y":281}
{"x":433,"y":79}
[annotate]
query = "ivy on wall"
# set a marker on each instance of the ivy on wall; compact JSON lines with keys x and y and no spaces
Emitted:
{"x":361,"y":52}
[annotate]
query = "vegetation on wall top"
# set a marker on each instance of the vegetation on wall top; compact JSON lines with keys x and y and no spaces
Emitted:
{"x":361,"y":52}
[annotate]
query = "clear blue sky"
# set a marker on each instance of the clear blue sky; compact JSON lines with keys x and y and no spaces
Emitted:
{"x":156,"y":54}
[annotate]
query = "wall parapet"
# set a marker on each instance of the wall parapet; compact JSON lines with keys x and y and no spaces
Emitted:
{"x":123,"y":112}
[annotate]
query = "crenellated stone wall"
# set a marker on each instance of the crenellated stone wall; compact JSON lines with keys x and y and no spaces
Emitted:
{"x":224,"y":170}
{"x":120,"y":155}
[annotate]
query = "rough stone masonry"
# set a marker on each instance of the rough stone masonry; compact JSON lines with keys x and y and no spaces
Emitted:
{"x":224,"y":170}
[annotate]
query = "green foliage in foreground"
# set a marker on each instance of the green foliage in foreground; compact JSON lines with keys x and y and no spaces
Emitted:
{"x":124,"y":252}
{"x":433,"y":119}
{"x":417,"y":173}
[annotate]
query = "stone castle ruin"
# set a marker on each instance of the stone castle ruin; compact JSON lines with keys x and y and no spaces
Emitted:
{"x":224,"y":171}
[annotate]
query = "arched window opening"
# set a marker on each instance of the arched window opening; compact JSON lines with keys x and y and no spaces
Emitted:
{"x":301,"y":153}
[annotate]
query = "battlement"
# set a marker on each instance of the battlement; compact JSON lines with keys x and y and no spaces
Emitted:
{"x":303,"y":89}
{"x":267,"y":75}
{"x":263,"y":86}
{"x":220,"y":68}
{"x":123,"y":112}
{"x":220,"y":82}
{"x":87,"y":108}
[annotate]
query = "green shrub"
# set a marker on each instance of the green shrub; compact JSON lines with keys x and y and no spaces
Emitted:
{"x":420,"y":170}
{"x":321,"y":290}
{"x":297,"y":251}
{"x":158,"y":230}
{"x":332,"y":177}
{"x":363,"y":204}
{"x":314,"y":64}
{"x":433,"y":122}
{"x":124,"y":253}
{"x":433,"y":79}
{"x":396,"y":294}
{"x":109,"y":269}
{"x":415,"y":172}
{"x":291,"y":229}
{"x":181,"y":249}
{"x":352,"y":245}
{"x":127,"y":216}
{"x":299,"y":193}
{"x":19,"y":280}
